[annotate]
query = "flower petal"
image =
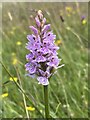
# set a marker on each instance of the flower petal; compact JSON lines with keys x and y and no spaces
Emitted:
{"x":40,"y":59}
{"x":43,"y":80}
{"x":37,"y":21}
{"x":34,"y":29}
{"x":53,"y":61}
{"x":31,"y":67}
{"x":46,"y":28}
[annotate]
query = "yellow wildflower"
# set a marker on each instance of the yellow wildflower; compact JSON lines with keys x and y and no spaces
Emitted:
{"x":14,"y":61}
{"x":68,"y":9}
{"x":58,"y":42}
{"x":18,"y":43}
{"x":15,"y":79}
{"x":84,"y":22}
{"x":30,"y":108}
{"x":4,"y":95}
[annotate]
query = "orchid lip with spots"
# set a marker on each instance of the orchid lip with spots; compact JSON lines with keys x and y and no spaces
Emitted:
{"x":42,"y":58}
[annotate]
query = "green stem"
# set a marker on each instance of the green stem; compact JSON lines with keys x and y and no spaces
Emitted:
{"x":46,"y":101}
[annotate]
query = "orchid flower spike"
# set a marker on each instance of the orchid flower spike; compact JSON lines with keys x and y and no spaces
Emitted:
{"x":43,"y":56}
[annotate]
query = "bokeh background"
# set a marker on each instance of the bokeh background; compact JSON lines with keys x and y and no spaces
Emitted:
{"x":68,"y":88}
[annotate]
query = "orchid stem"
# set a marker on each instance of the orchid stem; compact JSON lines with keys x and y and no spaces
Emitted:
{"x":46,"y":101}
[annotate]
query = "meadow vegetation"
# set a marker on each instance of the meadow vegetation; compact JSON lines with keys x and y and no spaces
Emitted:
{"x":68,"y":88}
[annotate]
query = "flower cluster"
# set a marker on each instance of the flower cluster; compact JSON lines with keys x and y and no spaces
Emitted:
{"x":42,"y":58}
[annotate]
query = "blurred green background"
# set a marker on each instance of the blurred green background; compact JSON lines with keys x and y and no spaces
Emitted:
{"x":68,"y":88}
